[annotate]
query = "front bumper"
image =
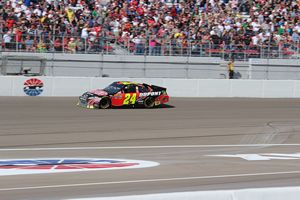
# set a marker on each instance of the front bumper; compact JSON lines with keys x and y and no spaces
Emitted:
{"x":85,"y":103}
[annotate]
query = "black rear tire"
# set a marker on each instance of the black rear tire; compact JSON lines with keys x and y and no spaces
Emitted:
{"x":149,"y":102}
{"x":105,"y":103}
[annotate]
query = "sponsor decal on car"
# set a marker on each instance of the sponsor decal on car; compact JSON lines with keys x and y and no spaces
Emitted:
{"x":92,"y":103}
{"x":118,"y":96}
{"x":99,"y":92}
{"x":145,"y":94}
{"x":33,"y":87}
{"x":56,"y":165}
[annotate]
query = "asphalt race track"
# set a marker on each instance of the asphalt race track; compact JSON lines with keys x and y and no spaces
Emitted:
{"x":200,"y":144}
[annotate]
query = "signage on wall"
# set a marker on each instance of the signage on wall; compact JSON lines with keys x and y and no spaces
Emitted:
{"x":33,"y":87}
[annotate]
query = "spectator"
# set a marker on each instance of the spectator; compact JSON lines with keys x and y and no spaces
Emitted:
{"x":79,"y":45}
{"x":18,"y":38}
{"x":72,"y":46}
{"x":212,"y":22}
{"x":41,"y":47}
{"x":138,"y":44}
{"x":84,"y":32}
{"x":231,"y":69}
{"x":58,"y":45}
{"x":29,"y":43}
{"x":152,"y":46}
{"x":7,"y":40}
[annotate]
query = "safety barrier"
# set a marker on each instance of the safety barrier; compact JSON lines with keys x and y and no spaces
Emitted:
{"x":288,"y":193}
{"x":74,"y":86}
{"x":115,"y":66}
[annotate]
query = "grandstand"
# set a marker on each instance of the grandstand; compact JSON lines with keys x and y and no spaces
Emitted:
{"x":221,"y":138}
{"x":198,"y":28}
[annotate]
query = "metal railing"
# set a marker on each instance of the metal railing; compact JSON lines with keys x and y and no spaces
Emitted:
{"x":145,"y":47}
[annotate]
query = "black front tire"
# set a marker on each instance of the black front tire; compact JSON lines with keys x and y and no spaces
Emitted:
{"x":105,"y":103}
{"x":149,"y":102}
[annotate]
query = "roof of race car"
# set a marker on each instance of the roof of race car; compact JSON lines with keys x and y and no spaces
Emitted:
{"x":128,"y":82}
{"x":124,"y":83}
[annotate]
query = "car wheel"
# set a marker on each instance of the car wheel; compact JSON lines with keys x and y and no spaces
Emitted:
{"x":149,"y":102}
{"x":104,"y":103}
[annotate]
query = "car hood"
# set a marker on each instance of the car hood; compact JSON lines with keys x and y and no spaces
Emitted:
{"x":99,"y":92}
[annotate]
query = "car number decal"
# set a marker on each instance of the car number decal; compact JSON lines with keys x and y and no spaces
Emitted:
{"x":129,"y":98}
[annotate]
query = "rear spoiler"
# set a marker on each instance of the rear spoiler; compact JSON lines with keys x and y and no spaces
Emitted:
{"x":157,"y":88}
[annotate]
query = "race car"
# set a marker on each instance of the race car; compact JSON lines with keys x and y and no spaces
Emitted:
{"x":124,"y":93}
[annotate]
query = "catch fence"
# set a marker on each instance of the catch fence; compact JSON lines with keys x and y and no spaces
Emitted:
{"x":149,"y":46}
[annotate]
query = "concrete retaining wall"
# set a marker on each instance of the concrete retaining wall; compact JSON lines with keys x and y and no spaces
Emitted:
{"x":274,"y":69}
{"x":74,"y":86}
{"x":98,"y":65}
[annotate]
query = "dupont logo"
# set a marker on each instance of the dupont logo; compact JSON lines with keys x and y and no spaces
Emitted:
{"x":55,"y":165}
{"x":33,"y":87}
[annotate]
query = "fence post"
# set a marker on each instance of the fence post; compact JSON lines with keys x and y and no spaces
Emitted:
{"x":267,"y":69}
{"x":250,"y":69}
{"x":101,"y":64}
{"x":17,"y":43}
{"x":170,"y":48}
{"x":200,"y":49}
{"x":128,"y":46}
{"x":1,"y":40}
{"x":189,"y":48}
{"x":63,"y":43}
{"x":52,"y":64}
{"x":246,"y":52}
{"x":52,"y":43}
{"x":298,"y":46}
{"x":107,"y":45}
{"x":145,"y":65}
{"x":187,"y":67}
{"x":223,"y":52}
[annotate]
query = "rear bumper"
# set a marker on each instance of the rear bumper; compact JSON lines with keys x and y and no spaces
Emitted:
{"x":162,"y":99}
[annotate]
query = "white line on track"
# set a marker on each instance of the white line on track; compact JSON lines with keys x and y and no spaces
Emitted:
{"x":149,"y":180}
{"x":146,"y":147}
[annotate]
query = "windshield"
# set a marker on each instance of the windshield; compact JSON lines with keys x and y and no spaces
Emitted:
{"x":113,"y":88}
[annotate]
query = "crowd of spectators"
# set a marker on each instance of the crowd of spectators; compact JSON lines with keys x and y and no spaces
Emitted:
{"x":150,"y":26}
